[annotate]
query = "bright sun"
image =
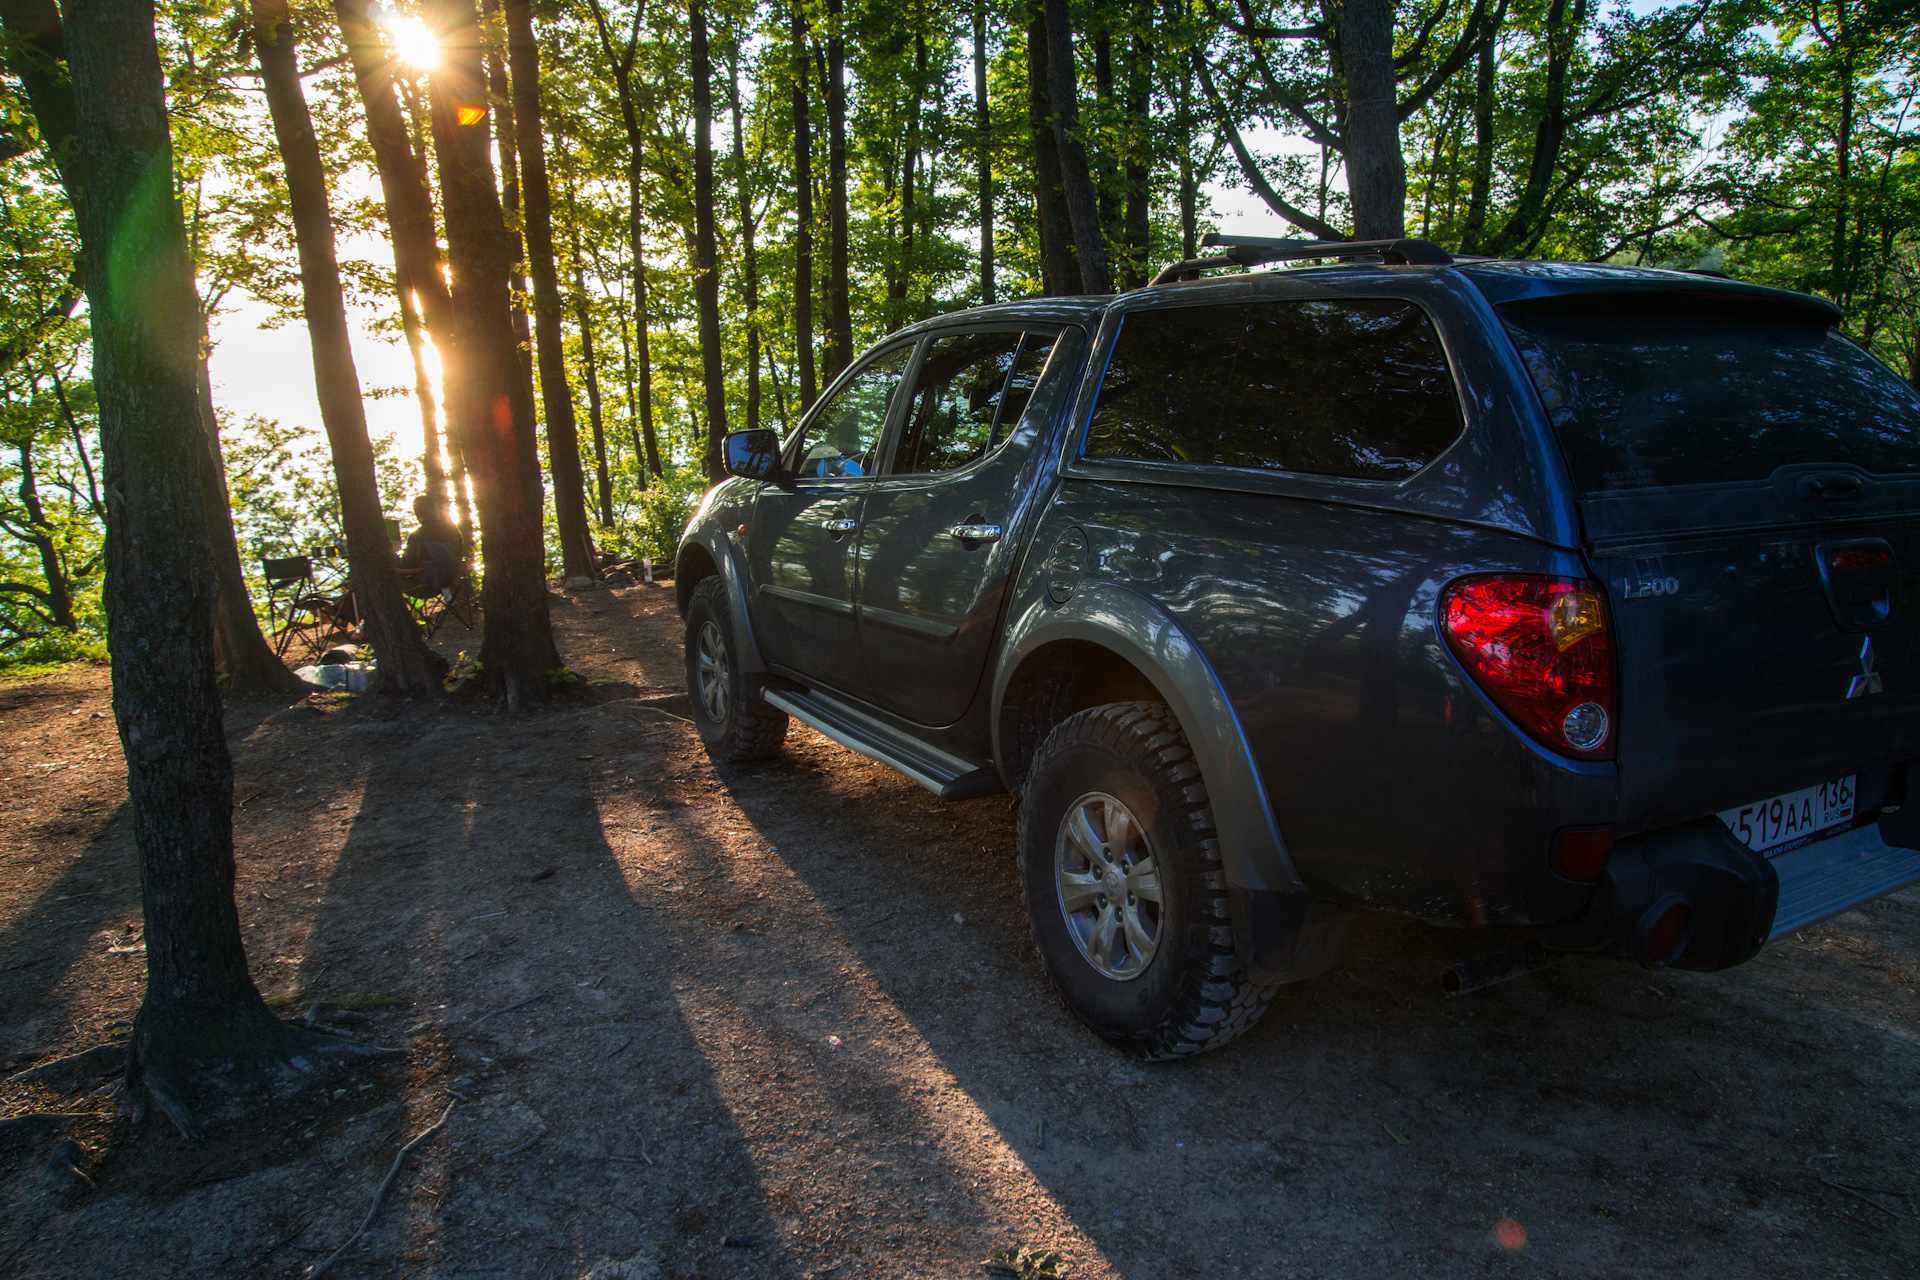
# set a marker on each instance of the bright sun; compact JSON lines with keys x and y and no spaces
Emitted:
{"x":413,"y":43}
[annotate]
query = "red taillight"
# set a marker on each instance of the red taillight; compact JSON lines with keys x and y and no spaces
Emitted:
{"x":1580,"y":853}
{"x":1543,"y":651}
{"x":1859,"y":559}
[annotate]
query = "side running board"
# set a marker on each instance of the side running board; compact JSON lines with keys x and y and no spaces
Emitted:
{"x":947,"y":776}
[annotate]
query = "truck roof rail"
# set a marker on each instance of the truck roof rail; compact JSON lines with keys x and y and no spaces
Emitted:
{"x":1252,"y":251}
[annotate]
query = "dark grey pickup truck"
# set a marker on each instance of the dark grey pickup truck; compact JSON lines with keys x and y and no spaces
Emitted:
{"x":1573,"y":598}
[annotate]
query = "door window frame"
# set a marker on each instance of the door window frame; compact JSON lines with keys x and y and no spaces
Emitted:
{"x":896,"y":427}
{"x":883,"y":444}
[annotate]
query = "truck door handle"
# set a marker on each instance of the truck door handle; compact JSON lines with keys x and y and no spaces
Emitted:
{"x":975,"y":532}
{"x":845,"y":524}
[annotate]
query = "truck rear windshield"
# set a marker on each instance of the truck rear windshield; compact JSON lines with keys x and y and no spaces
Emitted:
{"x":1653,"y":391}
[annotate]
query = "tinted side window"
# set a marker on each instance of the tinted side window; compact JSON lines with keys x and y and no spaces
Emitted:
{"x":1165,"y":385}
{"x":1356,"y":387}
{"x":956,"y":401}
{"x":841,"y":440}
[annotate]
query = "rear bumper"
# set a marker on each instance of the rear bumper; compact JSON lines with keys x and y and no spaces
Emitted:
{"x":1737,"y":901}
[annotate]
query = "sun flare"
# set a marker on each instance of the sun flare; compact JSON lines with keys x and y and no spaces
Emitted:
{"x":412,"y":42}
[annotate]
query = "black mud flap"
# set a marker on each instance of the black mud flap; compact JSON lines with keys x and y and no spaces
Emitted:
{"x":1730,"y":892}
{"x":1286,"y":937}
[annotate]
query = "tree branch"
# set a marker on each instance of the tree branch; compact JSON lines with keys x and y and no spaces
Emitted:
{"x":1249,"y":167}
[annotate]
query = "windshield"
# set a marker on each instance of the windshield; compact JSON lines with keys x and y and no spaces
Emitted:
{"x":1651,"y":391}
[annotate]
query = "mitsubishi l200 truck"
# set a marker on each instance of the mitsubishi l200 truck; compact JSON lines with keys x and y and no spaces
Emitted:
{"x":1573,"y":598}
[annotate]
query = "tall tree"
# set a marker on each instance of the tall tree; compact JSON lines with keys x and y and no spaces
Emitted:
{"x":107,"y":119}
{"x":983,"y":150}
{"x":556,"y":397}
{"x":517,"y":654}
{"x":706,"y":266}
{"x":1076,"y":175}
{"x":749,"y":253}
{"x":803,"y":208}
{"x":839,"y":283}
{"x":406,"y":666}
{"x":1058,"y":271}
{"x":620,"y":59}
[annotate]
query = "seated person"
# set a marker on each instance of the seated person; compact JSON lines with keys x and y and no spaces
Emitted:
{"x":433,"y":551}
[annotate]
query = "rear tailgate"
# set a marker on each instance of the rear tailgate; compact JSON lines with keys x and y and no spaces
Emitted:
{"x":1750,"y":487}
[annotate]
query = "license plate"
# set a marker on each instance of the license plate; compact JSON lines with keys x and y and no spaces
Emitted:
{"x":1773,"y":826}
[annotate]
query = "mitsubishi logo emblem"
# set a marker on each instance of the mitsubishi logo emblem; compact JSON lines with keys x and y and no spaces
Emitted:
{"x":1868,"y":681}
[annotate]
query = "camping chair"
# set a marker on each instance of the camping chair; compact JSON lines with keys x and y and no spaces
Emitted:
{"x":302,"y":617}
{"x":454,"y":597}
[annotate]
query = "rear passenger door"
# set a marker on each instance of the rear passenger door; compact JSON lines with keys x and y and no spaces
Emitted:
{"x":800,"y":549}
{"x":937,"y":540}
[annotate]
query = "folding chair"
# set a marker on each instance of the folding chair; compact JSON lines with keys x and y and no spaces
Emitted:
{"x":301,"y":615}
{"x":431,"y":608}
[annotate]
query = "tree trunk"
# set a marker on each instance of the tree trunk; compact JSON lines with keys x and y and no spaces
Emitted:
{"x":621,"y":63}
{"x":583,"y":316}
{"x":749,"y":259}
{"x":839,"y":303}
{"x":500,"y":90}
{"x":108,"y":124}
{"x":416,"y":336}
{"x":1058,"y":272}
{"x":1189,"y":184}
{"x":1376,"y":169}
{"x":1106,"y":190}
{"x":241,"y":654}
{"x":1076,"y":178}
{"x":414,"y":235}
{"x":706,"y":266}
{"x":1473,"y":227}
{"x":983,"y":144}
{"x":903,"y":277}
{"x":1138,"y":236}
{"x":406,"y":665}
{"x":517,"y":654}
{"x":556,"y":397}
{"x":59,"y":595}
{"x":803,"y":213}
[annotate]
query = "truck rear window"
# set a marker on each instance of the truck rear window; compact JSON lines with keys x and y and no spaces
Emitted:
{"x":1649,"y":391}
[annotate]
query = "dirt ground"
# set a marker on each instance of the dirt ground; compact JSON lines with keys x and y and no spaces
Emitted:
{"x":785,"y":1020}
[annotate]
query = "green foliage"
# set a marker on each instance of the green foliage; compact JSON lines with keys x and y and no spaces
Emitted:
{"x":660,"y":515}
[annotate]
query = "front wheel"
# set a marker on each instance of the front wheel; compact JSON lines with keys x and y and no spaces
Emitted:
{"x":734,"y":723}
{"x":1124,"y":887}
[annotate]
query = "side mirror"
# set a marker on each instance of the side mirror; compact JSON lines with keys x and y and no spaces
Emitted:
{"x":754,"y":454}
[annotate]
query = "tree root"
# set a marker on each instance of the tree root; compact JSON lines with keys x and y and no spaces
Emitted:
{"x":159,"y":1077}
{"x":75,"y":1071}
{"x":381,"y":1194}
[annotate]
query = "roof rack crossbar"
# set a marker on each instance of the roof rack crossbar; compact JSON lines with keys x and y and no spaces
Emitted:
{"x":1252,"y":251}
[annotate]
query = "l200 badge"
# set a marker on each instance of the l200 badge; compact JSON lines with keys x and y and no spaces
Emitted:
{"x":1868,"y":681}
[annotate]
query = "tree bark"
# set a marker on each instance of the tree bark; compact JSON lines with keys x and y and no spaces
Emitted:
{"x":706,"y":266}
{"x":108,"y":123}
{"x":983,"y":145}
{"x":1076,"y":178}
{"x":749,"y":258}
{"x":901,"y":284}
{"x":416,"y":335}
{"x":1376,"y":169}
{"x":1058,"y":273}
{"x":803,"y":212}
{"x":839,"y":303}
{"x":556,"y":397}
{"x":406,"y":666}
{"x":517,"y":654}
{"x":1189,"y":186}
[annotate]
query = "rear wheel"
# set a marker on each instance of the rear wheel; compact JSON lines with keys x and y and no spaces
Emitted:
{"x":1124,"y":886}
{"x":733,"y":722}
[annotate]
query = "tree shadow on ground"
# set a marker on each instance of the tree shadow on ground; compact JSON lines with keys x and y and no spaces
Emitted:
{"x":1369,"y":1123}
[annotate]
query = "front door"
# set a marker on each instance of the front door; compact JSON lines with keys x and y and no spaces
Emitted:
{"x":800,"y":547}
{"x":938,"y":536}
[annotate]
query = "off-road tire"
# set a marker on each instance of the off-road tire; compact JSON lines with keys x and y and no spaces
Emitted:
{"x":1191,"y":996}
{"x":746,"y":728}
